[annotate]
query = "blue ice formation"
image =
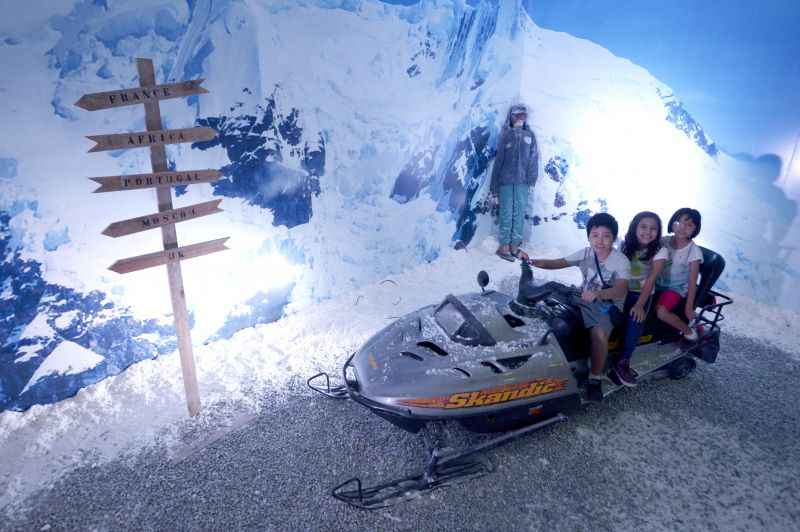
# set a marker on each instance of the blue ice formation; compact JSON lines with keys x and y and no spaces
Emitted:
{"x":257,"y":145}
{"x":460,"y":190}
{"x":263,"y":307}
{"x":453,"y":184}
{"x":95,"y":324}
{"x":466,"y":45}
{"x":683,"y":121}
{"x":426,"y":51}
{"x":89,"y":35}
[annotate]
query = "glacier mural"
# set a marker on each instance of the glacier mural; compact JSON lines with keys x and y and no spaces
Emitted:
{"x":355,"y":139}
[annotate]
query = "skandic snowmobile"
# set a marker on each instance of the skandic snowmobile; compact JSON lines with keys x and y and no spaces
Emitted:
{"x":496,"y":363}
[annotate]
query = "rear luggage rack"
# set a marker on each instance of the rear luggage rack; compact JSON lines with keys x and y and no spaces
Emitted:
{"x":714,"y":309}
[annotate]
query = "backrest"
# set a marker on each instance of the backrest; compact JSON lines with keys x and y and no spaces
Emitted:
{"x":710,"y":270}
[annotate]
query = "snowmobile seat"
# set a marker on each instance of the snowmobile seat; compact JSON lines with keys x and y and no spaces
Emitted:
{"x":711,"y":268}
{"x":574,"y":339}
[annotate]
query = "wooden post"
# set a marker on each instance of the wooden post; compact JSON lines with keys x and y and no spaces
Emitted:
{"x":155,"y":138}
{"x":158,"y":159}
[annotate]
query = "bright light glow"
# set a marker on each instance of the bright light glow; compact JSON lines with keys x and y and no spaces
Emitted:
{"x":629,"y":154}
{"x":279,"y":271}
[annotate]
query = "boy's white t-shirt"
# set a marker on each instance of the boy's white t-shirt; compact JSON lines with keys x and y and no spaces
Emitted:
{"x":640,"y":269}
{"x":675,"y":275}
{"x":615,"y":267}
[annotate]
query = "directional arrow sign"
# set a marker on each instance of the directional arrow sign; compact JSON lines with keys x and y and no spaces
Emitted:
{"x":160,"y":258}
{"x":151,"y":221}
{"x":159,"y":179}
{"x":123,"y":97}
{"x":143,"y":139}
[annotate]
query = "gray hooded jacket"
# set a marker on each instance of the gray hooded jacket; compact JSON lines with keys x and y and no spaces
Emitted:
{"x":517,"y":160}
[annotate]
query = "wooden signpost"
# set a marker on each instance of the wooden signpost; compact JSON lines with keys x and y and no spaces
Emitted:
{"x":162,"y":179}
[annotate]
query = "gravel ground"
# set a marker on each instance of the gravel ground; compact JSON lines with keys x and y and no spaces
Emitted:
{"x":716,"y":451}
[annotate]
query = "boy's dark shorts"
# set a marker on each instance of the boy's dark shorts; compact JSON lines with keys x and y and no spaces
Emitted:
{"x":598,"y":314}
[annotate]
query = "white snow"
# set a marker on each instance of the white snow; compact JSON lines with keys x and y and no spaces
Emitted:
{"x":67,"y":358}
{"x":38,"y":328}
{"x":65,"y":320}
{"x":760,"y":321}
{"x":26,"y":352}
{"x":45,"y":441}
{"x":601,"y":112}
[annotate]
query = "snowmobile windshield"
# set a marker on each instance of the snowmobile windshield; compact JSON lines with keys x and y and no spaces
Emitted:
{"x":460,"y":325}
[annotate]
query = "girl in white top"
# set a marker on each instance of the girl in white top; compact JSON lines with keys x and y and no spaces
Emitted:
{"x":678,"y":280}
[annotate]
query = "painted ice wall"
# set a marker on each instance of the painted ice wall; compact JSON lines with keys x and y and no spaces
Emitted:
{"x":355,"y":140}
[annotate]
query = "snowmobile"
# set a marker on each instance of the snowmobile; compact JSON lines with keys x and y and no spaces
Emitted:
{"x":496,"y":363}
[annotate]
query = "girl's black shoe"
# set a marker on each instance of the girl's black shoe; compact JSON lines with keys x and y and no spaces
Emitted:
{"x":624,"y":374}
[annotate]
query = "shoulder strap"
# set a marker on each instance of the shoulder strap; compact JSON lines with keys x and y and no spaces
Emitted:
{"x":599,"y":271}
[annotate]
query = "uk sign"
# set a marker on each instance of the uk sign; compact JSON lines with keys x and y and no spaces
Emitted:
{"x":159,"y":258}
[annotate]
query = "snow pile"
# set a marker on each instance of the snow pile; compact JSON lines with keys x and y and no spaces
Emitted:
{"x":355,"y":139}
{"x":763,"y":322}
{"x":145,"y":404}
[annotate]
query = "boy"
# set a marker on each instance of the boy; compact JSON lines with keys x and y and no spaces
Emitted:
{"x":605,"y":284}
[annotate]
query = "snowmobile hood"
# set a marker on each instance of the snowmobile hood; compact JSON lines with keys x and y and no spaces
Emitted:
{"x":438,"y":350}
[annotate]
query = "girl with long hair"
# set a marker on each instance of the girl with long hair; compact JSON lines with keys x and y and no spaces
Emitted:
{"x":642,"y":246}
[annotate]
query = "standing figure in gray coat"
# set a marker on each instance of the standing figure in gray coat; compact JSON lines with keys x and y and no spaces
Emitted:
{"x":516,"y":168}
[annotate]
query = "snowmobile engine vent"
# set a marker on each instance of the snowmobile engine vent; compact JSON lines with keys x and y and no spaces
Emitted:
{"x":513,"y":362}
{"x":462,"y":372}
{"x":409,"y":354}
{"x":491,"y":365}
{"x":513,"y":320}
{"x":433,"y":347}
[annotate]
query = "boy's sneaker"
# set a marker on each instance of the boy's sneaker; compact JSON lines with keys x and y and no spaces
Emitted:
{"x":594,"y":390}
{"x":624,"y":373}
